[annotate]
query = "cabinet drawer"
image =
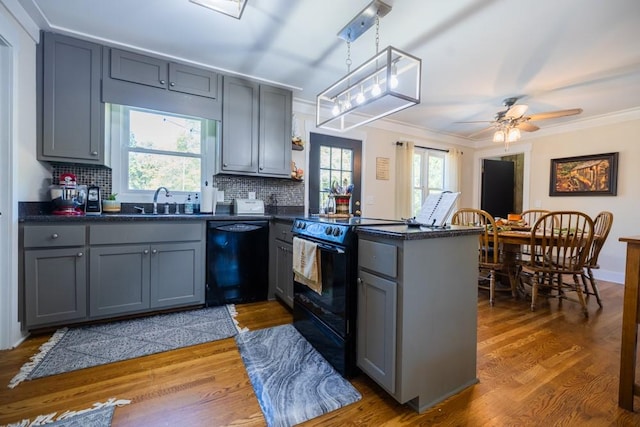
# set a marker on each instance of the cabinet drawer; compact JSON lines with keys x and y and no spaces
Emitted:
{"x":283,"y":231}
{"x":156,"y":231}
{"x":378,"y":257}
{"x":42,"y":236}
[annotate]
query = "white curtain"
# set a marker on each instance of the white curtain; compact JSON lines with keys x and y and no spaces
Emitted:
{"x":404,"y":177}
{"x":453,"y":180}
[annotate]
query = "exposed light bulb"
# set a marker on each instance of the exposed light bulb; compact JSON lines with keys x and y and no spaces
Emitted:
{"x":393,"y":82}
{"x":361,"y":98}
{"x":336,"y":109}
{"x":346,"y":105}
{"x":375,"y":89}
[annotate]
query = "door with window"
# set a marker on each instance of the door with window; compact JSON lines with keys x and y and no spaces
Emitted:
{"x":333,"y":160}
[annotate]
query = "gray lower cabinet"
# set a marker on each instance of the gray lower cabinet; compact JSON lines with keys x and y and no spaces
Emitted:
{"x":281,"y":260}
{"x":54,"y":274}
{"x":160,"y":266}
{"x":417,"y":315}
{"x":256,"y":129}
{"x":70,"y":111}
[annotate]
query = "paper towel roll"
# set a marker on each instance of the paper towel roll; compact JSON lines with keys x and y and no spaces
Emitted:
{"x":207,"y":198}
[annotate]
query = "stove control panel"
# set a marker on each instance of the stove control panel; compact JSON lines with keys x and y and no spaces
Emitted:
{"x":331,"y":233}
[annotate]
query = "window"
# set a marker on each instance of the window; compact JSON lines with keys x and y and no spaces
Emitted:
{"x":154,"y":148}
{"x":428,"y":175}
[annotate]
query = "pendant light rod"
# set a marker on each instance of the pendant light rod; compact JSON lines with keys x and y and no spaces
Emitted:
{"x":364,"y":20}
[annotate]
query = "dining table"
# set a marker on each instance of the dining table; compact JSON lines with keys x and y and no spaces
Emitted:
{"x":511,"y":240}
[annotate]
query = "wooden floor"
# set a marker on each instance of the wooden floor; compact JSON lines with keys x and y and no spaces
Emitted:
{"x":551,"y":367}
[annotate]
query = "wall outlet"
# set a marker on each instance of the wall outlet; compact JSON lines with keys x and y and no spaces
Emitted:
{"x":252,"y":195}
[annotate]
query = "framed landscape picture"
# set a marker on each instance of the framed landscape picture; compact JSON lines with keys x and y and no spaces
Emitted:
{"x":593,"y":175}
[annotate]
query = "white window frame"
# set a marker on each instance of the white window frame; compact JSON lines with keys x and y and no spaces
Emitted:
{"x":118,"y":135}
{"x":425,"y":185}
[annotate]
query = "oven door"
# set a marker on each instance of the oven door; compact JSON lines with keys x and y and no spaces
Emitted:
{"x":334,"y":306}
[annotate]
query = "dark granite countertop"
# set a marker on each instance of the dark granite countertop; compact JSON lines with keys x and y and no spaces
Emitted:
{"x":120,"y":217}
{"x":404,"y":232}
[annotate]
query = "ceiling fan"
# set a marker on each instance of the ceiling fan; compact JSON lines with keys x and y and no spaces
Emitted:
{"x":514,"y":118}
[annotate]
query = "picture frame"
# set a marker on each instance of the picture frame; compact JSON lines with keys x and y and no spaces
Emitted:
{"x":591,"y":175}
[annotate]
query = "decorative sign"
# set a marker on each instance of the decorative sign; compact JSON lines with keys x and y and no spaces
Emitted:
{"x":382,"y":168}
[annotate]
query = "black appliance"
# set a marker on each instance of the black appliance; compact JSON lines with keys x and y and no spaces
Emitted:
{"x":328,"y":320}
{"x":237,"y":262}
{"x":93,"y":205}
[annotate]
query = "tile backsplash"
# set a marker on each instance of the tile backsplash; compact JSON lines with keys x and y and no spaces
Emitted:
{"x":274,"y":191}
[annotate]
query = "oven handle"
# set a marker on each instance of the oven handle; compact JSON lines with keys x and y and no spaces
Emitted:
{"x":326,"y":247}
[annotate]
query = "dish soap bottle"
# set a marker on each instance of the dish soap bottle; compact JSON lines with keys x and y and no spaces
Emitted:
{"x":196,"y":205}
{"x":188,"y":205}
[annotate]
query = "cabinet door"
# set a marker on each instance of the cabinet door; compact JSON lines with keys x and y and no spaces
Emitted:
{"x":177,"y":274}
{"x":239,"y":126}
{"x":55,"y":283}
{"x":136,"y":68}
{"x":194,"y":81}
{"x":119,"y":279}
{"x":72,"y":114}
{"x":376,"y":336}
{"x":275,"y":131}
{"x":284,"y":272}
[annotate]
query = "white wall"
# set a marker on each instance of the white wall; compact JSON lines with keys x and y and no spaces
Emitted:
{"x":27,"y":174}
{"x":620,"y":137}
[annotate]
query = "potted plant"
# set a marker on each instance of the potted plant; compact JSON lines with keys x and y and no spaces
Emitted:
{"x":110,"y":204}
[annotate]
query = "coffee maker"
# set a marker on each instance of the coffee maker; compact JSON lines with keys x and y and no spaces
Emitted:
{"x":68,"y":197}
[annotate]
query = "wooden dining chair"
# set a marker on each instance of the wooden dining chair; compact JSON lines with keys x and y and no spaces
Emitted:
{"x":601,"y":228}
{"x":564,"y":238}
{"x":530,"y":217}
{"x":489,"y":254}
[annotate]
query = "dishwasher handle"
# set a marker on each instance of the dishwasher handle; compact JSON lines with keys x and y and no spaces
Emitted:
{"x":239,"y":227}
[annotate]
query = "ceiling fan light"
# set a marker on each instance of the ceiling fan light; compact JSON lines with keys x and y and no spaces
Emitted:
{"x":513,"y":135}
{"x":498,"y":136}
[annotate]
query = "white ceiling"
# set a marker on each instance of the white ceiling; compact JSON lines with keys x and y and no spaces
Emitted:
{"x":554,"y":54}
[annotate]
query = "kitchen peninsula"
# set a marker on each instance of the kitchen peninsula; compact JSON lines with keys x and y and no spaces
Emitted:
{"x":417,"y":311}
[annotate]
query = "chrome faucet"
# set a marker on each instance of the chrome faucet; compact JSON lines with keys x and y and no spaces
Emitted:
{"x":155,"y":198}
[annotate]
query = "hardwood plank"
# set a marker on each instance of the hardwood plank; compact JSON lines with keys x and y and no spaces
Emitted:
{"x":547,"y":367}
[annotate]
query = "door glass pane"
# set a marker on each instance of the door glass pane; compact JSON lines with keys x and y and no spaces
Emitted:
{"x":336,"y":158}
{"x":325,"y":157}
{"x":347,"y":163}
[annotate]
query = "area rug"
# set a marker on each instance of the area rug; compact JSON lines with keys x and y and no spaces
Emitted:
{"x":292,"y":381}
{"x":70,"y":349}
{"x":100,"y":415}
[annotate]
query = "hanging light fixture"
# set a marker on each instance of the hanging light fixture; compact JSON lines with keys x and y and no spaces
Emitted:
{"x":386,"y":83}
{"x":507,"y":133}
{"x":228,"y":7}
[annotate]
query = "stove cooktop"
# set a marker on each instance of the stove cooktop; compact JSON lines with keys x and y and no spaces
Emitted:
{"x":355,"y":221}
{"x":335,"y":230}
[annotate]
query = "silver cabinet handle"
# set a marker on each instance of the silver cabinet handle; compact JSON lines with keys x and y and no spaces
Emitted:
{"x":54,"y":236}
{"x":146,"y":251}
{"x":155,"y":251}
{"x":94,"y":153}
{"x":80,"y":254}
{"x":172,"y":84}
{"x":162,"y":82}
{"x":225,"y":165}
{"x":261,"y":167}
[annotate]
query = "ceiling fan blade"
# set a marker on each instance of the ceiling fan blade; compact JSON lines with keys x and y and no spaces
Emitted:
{"x":555,"y":114}
{"x":527,"y":127}
{"x":478,"y":121}
{"x":480,"y":132}
{"x":516,"y":111}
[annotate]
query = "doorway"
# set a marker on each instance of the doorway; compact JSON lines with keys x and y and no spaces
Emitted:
{"x":520,"y":155}
{"x":498,"y":187}
{"x":333,"y":159}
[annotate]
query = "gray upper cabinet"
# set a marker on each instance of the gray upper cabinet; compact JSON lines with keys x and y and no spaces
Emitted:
{"x":239,"y":126}
{"x":256,"y":129}
{"x":146,"y":70}
{"x":275,"y":131}
{"x":70,"y":111}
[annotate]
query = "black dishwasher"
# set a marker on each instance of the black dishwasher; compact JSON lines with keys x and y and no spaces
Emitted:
{"x":237,"y":262}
